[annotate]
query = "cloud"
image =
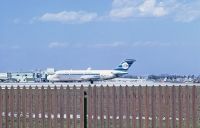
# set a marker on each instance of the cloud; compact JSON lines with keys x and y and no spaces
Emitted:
{"x":108,"y":45}
{"x":85,"y":45}
{"x":173,"y":9}
{"x":122,"y":9}
{"x":150,"y":44}
{"x":131,"y":44}
{"x":131,"y":8}
{"x":125,"y":12}
{"x":10,"y":46}
{"x":135,"y":44}
{"x":69,"y":17}
{"x":188,"y":12}
{"x":176,"y":10}
{"x":151,"y":8}
{"x":57,"y":45}
{"x":118,"y":45}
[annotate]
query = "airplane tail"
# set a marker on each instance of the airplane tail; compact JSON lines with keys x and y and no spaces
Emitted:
{"x":125,"y":65}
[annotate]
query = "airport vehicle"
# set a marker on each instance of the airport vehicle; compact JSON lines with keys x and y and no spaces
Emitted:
{"x":3,"y":77}
{"x":90,"y":75}
{"x":6,"y":77}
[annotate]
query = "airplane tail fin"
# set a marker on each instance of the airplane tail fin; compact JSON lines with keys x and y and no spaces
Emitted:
{"x":125,"y":65}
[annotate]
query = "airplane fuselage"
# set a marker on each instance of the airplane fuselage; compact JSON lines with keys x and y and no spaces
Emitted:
{"x":84,"y":75}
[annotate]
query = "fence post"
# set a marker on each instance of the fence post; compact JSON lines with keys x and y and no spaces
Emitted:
{"x":18,"y":106}
{"x":42,"y":99}
{"x":95,"y":102}
{"x":187,"y":104}
{"x":75,"y":106}
{"x":102,"y":106}
{"x":120,"y":106}
{"x":153,"y":106}
{"x":36,"y":106}
{"x":49,"y":106}
{"x":173,"y":106}
{"x":127,"y":94}
{"x":114,"y":106}
{"x":0,"y":107}
{"x":55,"y":123}
{"x":89,"y":95}
{"x":12,"y":106}
{"x":6,"y":107}
{"x":82,"y":96}
{"x":68,"y":107}
{"x":194,"y":111}
{"x":24,"y":107}
{"x":180,"y":106}
{"x":108,"y":106}
{"x":167,"y":104}
{"x":61,"y":107}
{"x":146,"y":107}
{"x":31,"y":107}
{"x":140,"y":105}
{"x":133,"y":107}
{"x":160,"y":107}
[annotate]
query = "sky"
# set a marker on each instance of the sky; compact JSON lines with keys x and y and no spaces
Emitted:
{"x":163,"y":36}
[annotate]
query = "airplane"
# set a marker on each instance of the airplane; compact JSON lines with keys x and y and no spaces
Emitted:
{"x":90,"y":75}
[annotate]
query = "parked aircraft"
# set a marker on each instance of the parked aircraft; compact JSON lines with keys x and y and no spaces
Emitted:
{"x":90,"y":75}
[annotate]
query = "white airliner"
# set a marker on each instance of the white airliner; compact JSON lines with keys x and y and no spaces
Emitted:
{"x":90,"y":75}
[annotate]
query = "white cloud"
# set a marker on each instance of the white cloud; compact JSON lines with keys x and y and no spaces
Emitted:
{"x":130,"y":8}
{"x":86,"y":45}
{"x":108,"y":45}
{"x":151,"y":8}
{"x":188,"y":12}
{"x":57,"y":45}
{"x":150,"y":44}
{"x":125,"y":12}
{"x":123,"y":3}
{"x":122,"y":9}
{"x":135,"y":44}
{"x":10,"y":46}
{"x":172,"y":9}
{"x":116,"y":44}
{"x":69,"y":17}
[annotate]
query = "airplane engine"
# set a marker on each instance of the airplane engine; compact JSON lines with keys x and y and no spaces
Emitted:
{"x":107,"y":76}
{"x":90,"y":77}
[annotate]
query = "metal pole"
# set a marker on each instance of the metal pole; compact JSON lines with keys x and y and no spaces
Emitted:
{"x":85,"y":109}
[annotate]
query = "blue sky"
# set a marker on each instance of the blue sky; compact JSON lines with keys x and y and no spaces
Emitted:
{"x":163,"y":36}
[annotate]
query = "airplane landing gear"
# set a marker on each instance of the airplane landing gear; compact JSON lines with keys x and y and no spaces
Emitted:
{"x":92,"y":82}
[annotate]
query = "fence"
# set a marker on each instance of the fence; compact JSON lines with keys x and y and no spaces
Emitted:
{"x":100,"y":107}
